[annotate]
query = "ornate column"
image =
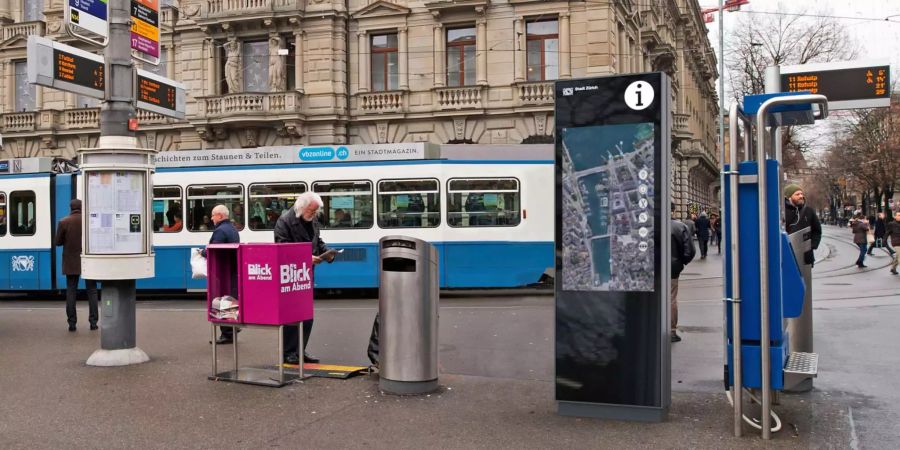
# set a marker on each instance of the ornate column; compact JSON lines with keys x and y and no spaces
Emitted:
{"x":481,"y":52}
{"x":363,"y":51}
{"x":212,"y":68}
{"x":565,"y":47}
{"x":439,"y":57}
{"x":9,"y":78}
{"x":403,"y":58}
{"x":299,"y":67}
{"x":170,"y":61}
{"x":38,"y":98}
{"x":519,"y":46}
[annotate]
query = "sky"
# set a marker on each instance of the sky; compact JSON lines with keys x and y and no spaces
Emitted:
{"x":877,"y":38}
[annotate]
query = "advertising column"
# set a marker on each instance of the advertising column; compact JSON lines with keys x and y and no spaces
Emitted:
{"x":612,"y":247}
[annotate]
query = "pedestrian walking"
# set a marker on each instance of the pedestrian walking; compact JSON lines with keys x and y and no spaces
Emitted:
{"x":300,"y":223}
{"x":224,"y":233}
{"x":797,"y":217}
{"x":879,"y":231}
{"x":702,"y":224}
{"x":892,"y":232}
{"x":682,"y":254}
{"x":68,"y":235}
{"x":860,"y":228}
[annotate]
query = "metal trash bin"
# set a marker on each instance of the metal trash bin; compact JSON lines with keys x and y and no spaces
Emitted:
{"x":408,"y":309}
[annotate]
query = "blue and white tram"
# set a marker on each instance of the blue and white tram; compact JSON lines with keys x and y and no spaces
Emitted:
{"x":490,"y":219}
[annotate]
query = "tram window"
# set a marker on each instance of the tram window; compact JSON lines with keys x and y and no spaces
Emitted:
{"x":348,"y":204}
{"x":269,"y":201}
{"x":409,"y":203}
{"x":483,"y":202}
{"x":22,"y":213}
{"x":202,"y":199}
{"x":2,"y":214}
{"x":168,"y":213}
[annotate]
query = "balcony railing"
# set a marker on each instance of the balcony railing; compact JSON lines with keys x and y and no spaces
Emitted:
{"x":82,"y":118}
{"x":459,"y":97}
{"x":381,"y":102}
{"x":681,"y":128}
{"x":252,"y":103}
{"x":25,"y":121}
{"x":244,"y":7}
{"x":25,"y":29}
{"x":535,"y":93}
{"x":150,"y":118}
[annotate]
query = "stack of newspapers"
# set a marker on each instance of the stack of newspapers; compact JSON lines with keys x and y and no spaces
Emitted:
{"x":224,"y":308}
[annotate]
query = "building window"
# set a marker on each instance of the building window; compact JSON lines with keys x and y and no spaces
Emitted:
{"x":22,"y":213}
{"x":385,"y":68}
{"x":255,"y":65}
{"x":409,"y":203}
{"x":348,"y":204}
{"x":483,"y":202}
{"x":32,"y":10}
{"x":168,"y":214}
{"x":25,"y":91}
{"x":202,"y":199}
{"x":2,"y":214}
{"x":542,"y":40}
{"x":269,"y":201}
{"x":461,"y":57}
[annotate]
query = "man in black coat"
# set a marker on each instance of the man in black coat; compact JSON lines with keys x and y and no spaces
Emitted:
{"x":880,"y":230}
{"x":682,"y":254}
{"x":797,"y":217}
{"x":68,"y":235}
{"x":702,"y":224}
{"x":224,"y":233}
{"x":299,"y":224}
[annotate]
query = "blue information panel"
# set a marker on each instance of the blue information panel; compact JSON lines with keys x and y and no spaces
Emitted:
{"x":90,"y":15}
{"x":612,"y":247}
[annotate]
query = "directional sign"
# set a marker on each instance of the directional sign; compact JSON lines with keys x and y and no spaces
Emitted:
{"x":65,"y":67}
{"x":159,"y":94}
{"x":89,"y":15}
{"x":848,"y":85}
{"x":145,"y":29}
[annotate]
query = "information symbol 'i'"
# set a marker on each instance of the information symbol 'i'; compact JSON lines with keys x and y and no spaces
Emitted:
{"x":639,"y":95}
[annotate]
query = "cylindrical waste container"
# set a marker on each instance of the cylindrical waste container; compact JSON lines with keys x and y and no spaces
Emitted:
{"x":408,"y":308}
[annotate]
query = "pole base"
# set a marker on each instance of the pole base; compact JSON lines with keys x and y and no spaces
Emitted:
{"x":113,"y":358}
{"x":407,"y":387}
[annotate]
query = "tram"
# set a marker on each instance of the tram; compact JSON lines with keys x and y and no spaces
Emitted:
{"x":488,"y":210}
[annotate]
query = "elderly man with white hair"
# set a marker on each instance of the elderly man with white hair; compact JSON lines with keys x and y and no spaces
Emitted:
{"x":300,"y":224}
{"x":224,"y":233}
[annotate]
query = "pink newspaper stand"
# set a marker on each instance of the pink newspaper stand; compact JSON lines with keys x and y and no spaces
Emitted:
{"x":270,"y":285}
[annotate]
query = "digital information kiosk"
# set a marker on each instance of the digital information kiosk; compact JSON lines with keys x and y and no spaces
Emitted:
{"x":612,"y":247}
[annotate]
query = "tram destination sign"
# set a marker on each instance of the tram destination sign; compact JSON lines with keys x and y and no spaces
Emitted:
{"x":848,"y":85}
{"x":296,"y":154}
{"x":145,"y":29}
{"x":89,"y":15}
{"x":159,"y":94}
{"x":65,"y":67}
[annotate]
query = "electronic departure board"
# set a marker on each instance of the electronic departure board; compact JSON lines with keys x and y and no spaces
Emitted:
{"x":75,"y":69}
{"x":64,"y":67}
{"x":846,"y":87}
{"x":159,"y":94}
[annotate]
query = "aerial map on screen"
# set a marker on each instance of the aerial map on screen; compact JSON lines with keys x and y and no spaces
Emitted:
{"x":608,"y":208}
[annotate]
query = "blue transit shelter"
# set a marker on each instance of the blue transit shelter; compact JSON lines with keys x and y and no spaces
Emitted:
{"x":763,"y":282}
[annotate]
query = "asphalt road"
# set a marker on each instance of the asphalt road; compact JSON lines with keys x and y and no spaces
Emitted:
{"x":496,"y":359}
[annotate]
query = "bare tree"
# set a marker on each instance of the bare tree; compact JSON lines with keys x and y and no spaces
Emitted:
{"x":761,"y":41}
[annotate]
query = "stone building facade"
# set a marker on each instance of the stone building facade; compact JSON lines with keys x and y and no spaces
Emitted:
{"x":282,"y":72}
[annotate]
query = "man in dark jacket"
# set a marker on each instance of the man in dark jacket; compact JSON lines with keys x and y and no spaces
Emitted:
{"x":797,"y":217}
{"x":682,"y":254}
{"x":299,"y":224}
{"x":880,"y":230}
{"x":68,"y":235}
{"x":224,"y":233}
{"x":892,"y":231}
{"x":702,"y":224}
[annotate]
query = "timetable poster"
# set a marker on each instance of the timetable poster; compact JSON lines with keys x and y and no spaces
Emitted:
{"x":116,"y":205}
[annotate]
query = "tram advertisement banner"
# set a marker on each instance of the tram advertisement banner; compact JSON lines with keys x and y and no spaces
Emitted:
{"x":612,"y":246}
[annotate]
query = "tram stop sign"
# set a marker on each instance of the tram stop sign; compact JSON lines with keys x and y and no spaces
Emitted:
{"x":612,"y":247}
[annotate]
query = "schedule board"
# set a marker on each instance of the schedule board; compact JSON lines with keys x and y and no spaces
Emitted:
{"x":848,"y":85}
{"x":115,"y":208}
